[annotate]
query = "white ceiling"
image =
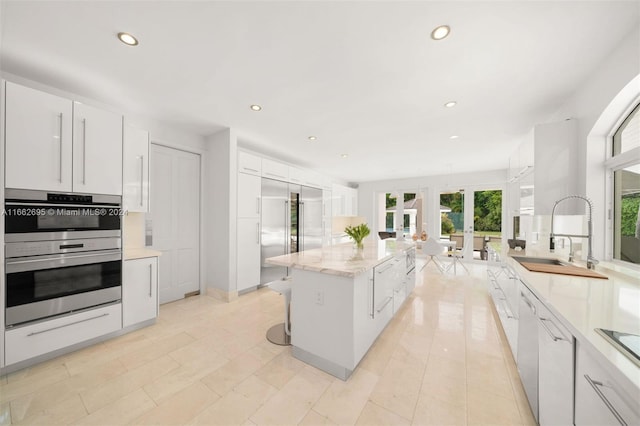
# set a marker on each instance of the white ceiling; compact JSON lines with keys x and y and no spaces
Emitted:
{"x":363,"y":77}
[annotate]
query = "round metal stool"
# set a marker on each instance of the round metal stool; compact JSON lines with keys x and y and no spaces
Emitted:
{"x":280,"y":334}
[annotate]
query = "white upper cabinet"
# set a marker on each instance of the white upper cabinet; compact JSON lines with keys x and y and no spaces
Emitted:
{"x":249,"y":163}
{"x":136,"y":170}
{"x":97,"y":150}
{"x":38,"y":139}
{"x":275,"y":170}
{"x":54,"y":144}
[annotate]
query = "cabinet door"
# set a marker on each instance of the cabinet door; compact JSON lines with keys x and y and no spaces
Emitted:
{"x":97,"y":150}
{"x":249,"y":163}
{"x":248,"y":240}
{"x":601,"y":399}
{"x":135,"y":197}
{"x":275,"y":170}
{"x":139,"y":290}
{"x":249,"y":189}
{"x":38,"y":140}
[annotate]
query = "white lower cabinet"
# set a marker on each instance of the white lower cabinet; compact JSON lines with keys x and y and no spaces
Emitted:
{"x":248,"y":258}
{"x":139,"y":290}
{"x":33,"y":340}
{"x":601,"y":398}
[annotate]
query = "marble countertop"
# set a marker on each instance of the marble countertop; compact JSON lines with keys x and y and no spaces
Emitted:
{"x":589,"y":303}
{"x":139,"y":253}
{"x":341,"y":259}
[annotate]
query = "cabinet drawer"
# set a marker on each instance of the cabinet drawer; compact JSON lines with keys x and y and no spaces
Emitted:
{"x":274,"y":170}
{"x":249,"y":163}
{"x":38,"y":339}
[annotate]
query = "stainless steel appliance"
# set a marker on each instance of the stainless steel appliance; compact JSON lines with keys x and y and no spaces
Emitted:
{"x":291,"y":222}
{"x":63,"y":253}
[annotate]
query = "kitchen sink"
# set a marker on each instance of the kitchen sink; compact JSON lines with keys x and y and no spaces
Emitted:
{"x":539,"y":260}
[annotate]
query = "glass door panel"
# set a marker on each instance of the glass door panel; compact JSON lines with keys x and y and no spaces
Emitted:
{"x":487,"y":220}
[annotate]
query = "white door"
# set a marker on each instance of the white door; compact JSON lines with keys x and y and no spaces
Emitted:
{"x":174,"y":219}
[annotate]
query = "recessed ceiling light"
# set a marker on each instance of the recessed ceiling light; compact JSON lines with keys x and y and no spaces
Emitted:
{"x":128,"y":39}
{"x":451,"y":104}
{"x":440,"y":32}
{"x":344,"y":155}
{"x":255,"y":107}
{"x":454,"y":137}
{"x":312,"y":138}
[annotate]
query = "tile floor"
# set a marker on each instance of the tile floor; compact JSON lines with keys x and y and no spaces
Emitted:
{"x":441,"y":361}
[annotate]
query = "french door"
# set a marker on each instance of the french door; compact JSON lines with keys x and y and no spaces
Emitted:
{"x":472,"y":217}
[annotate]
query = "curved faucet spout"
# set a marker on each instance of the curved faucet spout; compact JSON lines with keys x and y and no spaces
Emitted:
{"x":591,"y":261}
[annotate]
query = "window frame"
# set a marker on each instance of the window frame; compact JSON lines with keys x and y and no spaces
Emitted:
{"x":612,"y":164}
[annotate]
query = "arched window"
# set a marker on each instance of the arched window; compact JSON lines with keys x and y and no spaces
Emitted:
{"x":625,"y":167}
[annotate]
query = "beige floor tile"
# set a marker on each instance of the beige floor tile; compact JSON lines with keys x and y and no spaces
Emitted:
{"x":343,"y":401}
{"x":484,"y":408}
{"x":399,"y":387}
{"x":155,"y":350}
{"x":279,"y":370}
{"x":238,"y":405}
{"x":196,"y":349}
{"x":82,"y":361}
{"x":432,"y":411}
{"x":50,"y":395}
{"x":442,"y":367}
{"x":292,"y":403}
{"x":62,"y":413}
{"x":5,"y":414}
{"x":116,"y":388}
{"x":121,"y":411}
{"x":373,"y":415}
{"x":31,"y":380}
{"x":448,"y":390}
{"x":227,"y":376}
{"x":183,"y":376}
{"x":314,"y":419}
{"x":184,"y":406}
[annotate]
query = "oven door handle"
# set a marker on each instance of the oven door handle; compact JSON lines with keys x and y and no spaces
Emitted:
{"x":45,"y":205}
{"x":61,"y":261}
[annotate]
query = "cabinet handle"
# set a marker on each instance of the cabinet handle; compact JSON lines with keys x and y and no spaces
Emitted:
{"x":386,"y":302}
{"x":373,"y":298}
{"x":66,"y":325}
{"x":258,"y":233}
{"x":141,"y":180}
{"x":84,"y":151}
{"x":543,"y":322}
{"x":60,"y":148}
{"x":250,"y":169}
{"x":533,"y":308}
{"x":385,"y":269}
{"x":150,"y":278}
{"x":595,"y":385}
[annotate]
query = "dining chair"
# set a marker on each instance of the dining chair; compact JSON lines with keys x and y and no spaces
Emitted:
{"x":433,"y":249}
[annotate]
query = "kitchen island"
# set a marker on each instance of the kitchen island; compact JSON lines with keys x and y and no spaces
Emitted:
{"x":342,"y":299}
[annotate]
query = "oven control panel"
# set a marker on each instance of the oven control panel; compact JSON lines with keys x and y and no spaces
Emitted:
{"x":38,"y":248}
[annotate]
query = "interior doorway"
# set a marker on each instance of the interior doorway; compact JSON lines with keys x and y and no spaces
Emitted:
{"x":404,"y":218}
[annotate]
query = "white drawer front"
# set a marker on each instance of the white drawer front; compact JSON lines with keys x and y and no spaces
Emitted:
{"x":33,"y":340}
{"x":249,"y":163}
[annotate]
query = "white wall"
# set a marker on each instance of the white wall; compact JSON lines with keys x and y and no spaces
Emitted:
{"x":597,"y":106}
{"x":220,"y":199}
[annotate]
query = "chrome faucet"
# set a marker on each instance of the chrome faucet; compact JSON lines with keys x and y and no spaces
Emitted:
{"x":591,"y":261}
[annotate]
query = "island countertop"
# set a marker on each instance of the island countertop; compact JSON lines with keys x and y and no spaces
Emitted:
{"x":341,"y":259}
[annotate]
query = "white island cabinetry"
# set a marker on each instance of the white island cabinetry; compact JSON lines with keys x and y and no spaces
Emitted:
{"x":341,"y":301}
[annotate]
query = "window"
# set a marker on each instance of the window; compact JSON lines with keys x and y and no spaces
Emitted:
{"x":626,"y":189}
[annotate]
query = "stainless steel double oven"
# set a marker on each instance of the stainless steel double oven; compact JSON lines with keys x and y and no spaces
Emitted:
{"x":63,"y":253}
